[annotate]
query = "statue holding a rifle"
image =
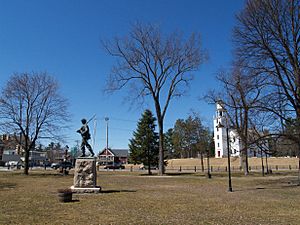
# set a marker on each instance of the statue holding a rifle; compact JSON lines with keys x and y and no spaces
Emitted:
{"x":85,"y":134}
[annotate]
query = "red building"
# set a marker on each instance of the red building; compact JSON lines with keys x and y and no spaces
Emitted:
{"x":113,"y":155}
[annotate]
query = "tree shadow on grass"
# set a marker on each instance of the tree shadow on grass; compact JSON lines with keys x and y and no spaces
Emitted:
{"x":279,"y":187}
{"x":48,"y":175}
{"x":116,"y":191}
{"x":180,"y":174}
{"x":147,"y":174}
{"x":5,"y":186}
{"x":169,"y":174}
{"x":72,"y":201}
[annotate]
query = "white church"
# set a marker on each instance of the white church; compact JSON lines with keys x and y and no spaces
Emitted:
{"x":220,"y":137}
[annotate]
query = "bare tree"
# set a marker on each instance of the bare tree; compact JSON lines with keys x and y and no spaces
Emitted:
{"x":31,"y":106}
{"x":240,"y":97}
{"x":154,"y":65}
{"x":267,"y":39}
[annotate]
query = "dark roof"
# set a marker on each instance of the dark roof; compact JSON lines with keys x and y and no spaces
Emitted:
{"x":120,"y":152}
{"x":117,"y":152}
{"x":7,"y":158}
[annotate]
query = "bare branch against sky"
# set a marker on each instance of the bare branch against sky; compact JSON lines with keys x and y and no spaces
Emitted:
{"x":31,"y":107}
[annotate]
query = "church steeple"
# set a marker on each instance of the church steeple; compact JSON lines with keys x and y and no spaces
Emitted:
{"x":220,"y":109}
{"x":220,"y":130}
{"x":220,"y":134}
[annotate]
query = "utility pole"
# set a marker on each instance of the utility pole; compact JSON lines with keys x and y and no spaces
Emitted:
{"x":94,"y":133}
{"x":106,"y":119}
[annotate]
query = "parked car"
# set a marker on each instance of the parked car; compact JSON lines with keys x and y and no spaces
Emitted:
{"x":114,"y":166}
{"x":11,"y":163}
{"x":20,"y":165}
{"x":64,"y":165}
{"x":54,"y":165}
{"x":47,"y":164}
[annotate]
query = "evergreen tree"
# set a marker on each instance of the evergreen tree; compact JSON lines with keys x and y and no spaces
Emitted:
{"x":191,"y":138}
{"x":169,"y":145}
{"x":144,"y":144}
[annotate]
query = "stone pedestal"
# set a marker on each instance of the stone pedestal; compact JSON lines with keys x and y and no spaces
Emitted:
{"x":85,"y":176}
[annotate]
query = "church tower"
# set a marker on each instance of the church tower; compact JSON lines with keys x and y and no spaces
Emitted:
{"x":220,"y":131}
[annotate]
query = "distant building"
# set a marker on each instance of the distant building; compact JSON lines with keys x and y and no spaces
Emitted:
{"x":1,"y":149}
{"x":11,"y":142}
{"x":113,"y":155}
{"x":10,"y":150}
{"x":220,"y":135}
{"x":7,"y":158}
{"x":8,"y":145}
{"x":235,"y":144}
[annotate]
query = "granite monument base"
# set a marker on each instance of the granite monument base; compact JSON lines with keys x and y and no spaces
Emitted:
{"x":85,"y":176}
{"x":86,"y":190}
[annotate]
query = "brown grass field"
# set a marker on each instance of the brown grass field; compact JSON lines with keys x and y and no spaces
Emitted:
{"x":135,"y":198}
{"x":235,"y":162}
{"x":220,"y":164}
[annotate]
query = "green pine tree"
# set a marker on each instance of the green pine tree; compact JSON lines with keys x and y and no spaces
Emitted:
{"x":144,"y":144}
{"x":169,"y":145}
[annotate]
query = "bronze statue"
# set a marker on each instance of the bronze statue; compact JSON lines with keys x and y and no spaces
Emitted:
{"x":85,"y":134}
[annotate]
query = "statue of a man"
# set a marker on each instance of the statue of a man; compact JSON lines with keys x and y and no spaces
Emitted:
{"x":85,"y":134}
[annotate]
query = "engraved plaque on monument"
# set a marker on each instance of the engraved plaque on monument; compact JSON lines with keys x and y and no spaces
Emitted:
{"x":85,"y":176}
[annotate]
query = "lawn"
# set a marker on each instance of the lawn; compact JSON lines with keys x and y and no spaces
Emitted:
{"x":134,"y":198}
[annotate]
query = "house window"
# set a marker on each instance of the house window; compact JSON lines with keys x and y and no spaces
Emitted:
{"x":218,"y":137}
{"x":218,"y":144}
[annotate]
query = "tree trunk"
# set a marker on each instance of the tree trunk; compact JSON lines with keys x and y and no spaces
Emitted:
{"x":262,"y":162}
{"x":202,"y":164}
{"x":208,"y":166}
{"x":26,"y":164}
{"x":298,"y":128}
{"x":245,"y":162}
{"x":160,"y":120}
{"x":267,"y":166}
{"x":246,"y":166}
{"x":161,"y":166}
{"x":148,"y":160}
{"x":298,"y":170}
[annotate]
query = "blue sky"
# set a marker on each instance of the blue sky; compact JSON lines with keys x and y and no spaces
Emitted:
{"x":63,"y":37}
